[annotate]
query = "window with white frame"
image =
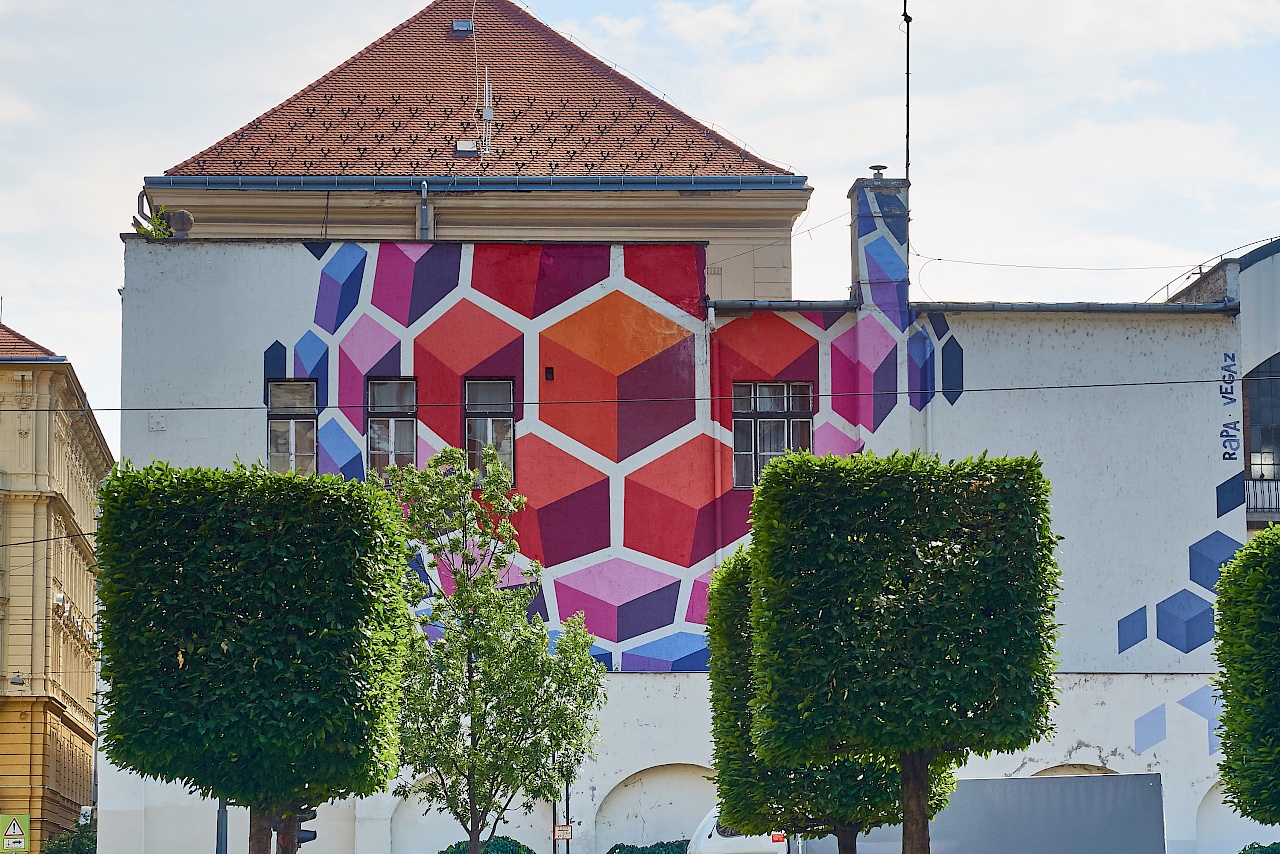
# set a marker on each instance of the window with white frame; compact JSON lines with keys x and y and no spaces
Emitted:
{"x":490,"y":420}
{"x":291,"y":426}
{"x":392,"y":424}
{"x":769,"y":419}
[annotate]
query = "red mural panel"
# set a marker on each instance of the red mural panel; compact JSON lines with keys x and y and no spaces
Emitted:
{"x":760,"y":348}
{"x":566,"y":513}
{"x":682,"y":506}
{"x":678,"y":274}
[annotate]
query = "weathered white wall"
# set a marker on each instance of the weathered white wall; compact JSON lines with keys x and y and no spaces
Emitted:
{"x":1259,"y":308}
{"x":1134,"y":470}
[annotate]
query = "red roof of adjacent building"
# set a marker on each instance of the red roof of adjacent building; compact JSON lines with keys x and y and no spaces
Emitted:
{"x":399,"y":106}
{"x":16,"y":346}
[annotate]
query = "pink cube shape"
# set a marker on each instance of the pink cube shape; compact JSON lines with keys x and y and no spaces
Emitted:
{"x":620,"y":599}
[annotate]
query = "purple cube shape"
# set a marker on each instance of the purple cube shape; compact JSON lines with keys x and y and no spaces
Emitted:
{"x":1184,"y":621}
{"x":1207,"y":557}
{"x":681,"y":651}
{"x":620,"y":599}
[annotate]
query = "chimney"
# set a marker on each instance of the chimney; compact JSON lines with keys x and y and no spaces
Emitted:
{"x":880,"y":245}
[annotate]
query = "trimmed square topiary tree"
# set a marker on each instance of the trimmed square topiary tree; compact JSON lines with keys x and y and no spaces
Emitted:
{"x":902,"y":607}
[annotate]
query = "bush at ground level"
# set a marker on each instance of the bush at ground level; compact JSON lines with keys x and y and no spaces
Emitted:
{"x":677,"y":846}
{"x":1259,"y":848}
{"x":497,"y":845}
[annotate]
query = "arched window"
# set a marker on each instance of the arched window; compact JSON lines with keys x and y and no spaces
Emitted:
{"x":1262,"y":414}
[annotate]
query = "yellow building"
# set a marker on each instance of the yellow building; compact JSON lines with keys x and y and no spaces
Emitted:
{"x":52,"y":457}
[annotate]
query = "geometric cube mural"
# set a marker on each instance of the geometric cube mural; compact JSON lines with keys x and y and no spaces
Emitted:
{"x":532,"y":279}
{"x":1206,"y":703}
{"x":1207,"y":557}
{"x":1131,"y":630}
{"x":672,"y":510}
{"x":681,"y":651}
{"x":619,"y":599}
{"x":864,"y":373}
{"x":340,"y":287}
{"x":1149,"y":729}
{"x":566,"y":512}
{"x":1230,"y":494}
{"x":412,"y":277}
{"x":627,"y":497}
{"x":622,"y":376}
{"x":1184,"y":621}
{"x":464,"y":341}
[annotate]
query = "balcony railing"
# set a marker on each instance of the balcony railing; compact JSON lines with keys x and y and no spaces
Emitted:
{"x":1262,"y":496}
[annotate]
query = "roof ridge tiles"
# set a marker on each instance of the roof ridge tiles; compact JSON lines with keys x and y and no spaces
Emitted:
{"x":418,"y":60}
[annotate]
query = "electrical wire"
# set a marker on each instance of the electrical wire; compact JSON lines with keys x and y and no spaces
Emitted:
{"x":1050,"y":266}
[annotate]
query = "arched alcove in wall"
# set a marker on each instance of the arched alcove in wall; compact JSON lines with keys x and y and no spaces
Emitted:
{"x":656,"y":805}
{"x":1221,"y":830}
{"x":1073,"y":770}
{"x":414,"y":831}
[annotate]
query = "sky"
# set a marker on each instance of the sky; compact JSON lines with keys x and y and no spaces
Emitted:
{"x":1084,"y":134}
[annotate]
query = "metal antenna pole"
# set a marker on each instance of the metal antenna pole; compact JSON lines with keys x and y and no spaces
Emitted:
{"x":906,"y":171}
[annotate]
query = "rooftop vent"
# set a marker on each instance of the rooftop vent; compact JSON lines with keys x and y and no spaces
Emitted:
{"x":463,"y":27}
{"x":466,"y":148}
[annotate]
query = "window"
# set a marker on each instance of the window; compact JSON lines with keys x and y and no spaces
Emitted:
{"x":769,"y":419}
{"x":491,"y":420}
{"x":1262,"y":405}
{"x":291,"y":426}
{"x":392,"y":423}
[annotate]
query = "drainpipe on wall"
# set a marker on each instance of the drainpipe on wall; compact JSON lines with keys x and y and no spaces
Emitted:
{"x":713,"y":357}
{"x":426,"y":217}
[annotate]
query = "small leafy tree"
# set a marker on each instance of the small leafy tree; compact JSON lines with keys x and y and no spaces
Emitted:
{"x":901,"y":607}
{"x":1248,"y":651}
{"x":492,"y":716}
{"x":846,"y":797}
{"x":81,"y":839}
{"x":253,"y":626}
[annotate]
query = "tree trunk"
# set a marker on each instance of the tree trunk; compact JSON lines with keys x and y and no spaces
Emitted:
{"x":847,"y":838}
{"x":259,"y":830}
{"x":473,"y":839}
{"x":915,"y":801}
{"x":287,"y":831}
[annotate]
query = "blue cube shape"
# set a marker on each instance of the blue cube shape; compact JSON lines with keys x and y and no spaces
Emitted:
{"x":1131,"y":629}
{"x":1207,"y":557}
{"x":681,"y":651}
{"x":1184,"y":621}
{"x":1230,"y":494}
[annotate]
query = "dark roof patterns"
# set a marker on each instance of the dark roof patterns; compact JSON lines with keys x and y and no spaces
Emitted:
{"x":399,"y":106}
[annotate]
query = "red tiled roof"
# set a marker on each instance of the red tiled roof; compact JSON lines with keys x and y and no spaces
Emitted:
{"x":13,"y":345}
{"x":398,"y":107}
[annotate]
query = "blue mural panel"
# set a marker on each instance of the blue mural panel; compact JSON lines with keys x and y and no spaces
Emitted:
{"x":952,"y":371}
{"x":1149,"y":729}
{"x":1207,"y":556}
{"x":338,"y":454}
{"x":1131,"y":629}
{"x":1230,"y":494}
{"x":1206,"y":703}
{"x":1184,"y":621}
{"x":682,"y":651}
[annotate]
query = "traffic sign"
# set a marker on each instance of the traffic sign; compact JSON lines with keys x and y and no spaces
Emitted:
{"x":17,"y":831}
{"x":563,"y":831}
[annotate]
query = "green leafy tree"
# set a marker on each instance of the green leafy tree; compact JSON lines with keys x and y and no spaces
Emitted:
{"x":253,"y":628}
{"x":81,"y":839}
{"x":901,"y":607}
{"x":1248,"y":651}
{"x":492,"y":718}
{"x":846,"y":797}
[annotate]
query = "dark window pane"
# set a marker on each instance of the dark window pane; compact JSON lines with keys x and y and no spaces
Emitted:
{"x":772,"y":436}
{"x":392,"y":395}
{"x":801,"y":397}
{"x":744,"y":470}
{"x":742,"y":435}
{"x":292,"y":398}
{"x":771,"y":397}
{"x":490,"y":395}
{"x":742,"y":399}
{"x":801,"y":438}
